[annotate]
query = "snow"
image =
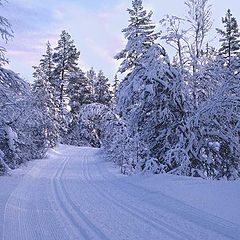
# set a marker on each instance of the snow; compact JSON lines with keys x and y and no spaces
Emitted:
{"x":75,"y":194}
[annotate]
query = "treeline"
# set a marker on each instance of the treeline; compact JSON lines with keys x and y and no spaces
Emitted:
{"x":36,"y":117}
{"x":61,"y":88}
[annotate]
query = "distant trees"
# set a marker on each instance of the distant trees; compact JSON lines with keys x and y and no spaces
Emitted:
{"x":61,"y":88}
{"x":102,"y":93}
{"x":230,"y":37}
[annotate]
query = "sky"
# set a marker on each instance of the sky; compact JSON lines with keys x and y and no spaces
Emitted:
{"x":95,"y":27}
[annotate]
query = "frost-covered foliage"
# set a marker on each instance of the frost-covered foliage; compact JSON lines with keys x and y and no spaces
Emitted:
{"x":6,"y":33}
{"x":102,"y":93}
{"x":21,"y":125}
{"x":150,"y":101}
{"x":183,"y":117}
{"x":65,"y":58}
{"x":44,"y":95}
{"x":209,"y":144}
{"x":139,"y":34}
{"x":111,"y":132}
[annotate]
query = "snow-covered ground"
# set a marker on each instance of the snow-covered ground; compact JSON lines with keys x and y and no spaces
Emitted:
{"x":75,"y":194}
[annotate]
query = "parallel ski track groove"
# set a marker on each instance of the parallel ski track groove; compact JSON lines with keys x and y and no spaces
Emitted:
{"x":155,"y":223}
{"x":227,"y":230}
{"x":64,"y":207}
{"x":77,"y":211}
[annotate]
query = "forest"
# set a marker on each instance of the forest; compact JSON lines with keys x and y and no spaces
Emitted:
{"x":160,"y":114}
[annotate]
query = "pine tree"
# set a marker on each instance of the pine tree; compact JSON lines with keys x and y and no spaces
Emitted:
{"x":44,"y":95}
{"x":230,"y":37}
{"x":151,"y":102}
{"x":92,"y":76}
{"x":65,"y":58}
{"x":79,"y":91}
{"x":115,"y":87}
{"x":139,"y":34}
{"x":102,"y":90}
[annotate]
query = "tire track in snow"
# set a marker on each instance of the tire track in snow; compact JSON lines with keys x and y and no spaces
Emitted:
{"x":137,"y":213}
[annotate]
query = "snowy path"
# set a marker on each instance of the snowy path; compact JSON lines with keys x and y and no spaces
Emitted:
{"x":73,"y":195}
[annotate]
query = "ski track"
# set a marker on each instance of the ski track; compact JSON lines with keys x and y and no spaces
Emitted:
{"x":205,"y":220}
{"x":71,"y":195}
{"x":136,"y":212}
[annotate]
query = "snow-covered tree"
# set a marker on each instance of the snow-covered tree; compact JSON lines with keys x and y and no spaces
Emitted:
{"x":230,"y":37}
{"x":115,"y":87}
{"x":65,"y":58}
{"x":44,"y":95}
{"x":176,"y":37}
{"x":199,"y":17}
{"x":139,"y":34}
{"x":78,"y":91}
{"x":92,"y":76}
{"x":188,"y":37}
{"x":102,"y":93}
{"x":150,"y":100}
{"x":210,"y":138}
{"x":21,"y":126}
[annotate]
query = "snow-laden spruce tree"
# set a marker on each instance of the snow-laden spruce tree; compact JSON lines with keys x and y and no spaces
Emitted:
{"x":65,"y":58}
{"x":102,"y":93}
{"x":150,"y":100}
{"x":111,"y":131}
{"x":115,"y":87}
{"x":230,"y":37}
{"x":92,"y":76}
{"x":79,"y":91}
{"x":44,"y":92}
{"x":139,"y":35}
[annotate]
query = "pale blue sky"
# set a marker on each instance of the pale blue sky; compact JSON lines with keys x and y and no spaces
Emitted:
{"x":95,"y":25}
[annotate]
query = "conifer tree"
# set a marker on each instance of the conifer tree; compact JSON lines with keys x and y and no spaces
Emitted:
{"x":139,"y":34}
{"x":44,"y":95}
{"x":92,"y":76}
{"x":78,"y":91}
{"x":65,"y":59}
{"x":230,"y":37}
{"x":115,"y":87}
{"x":102,"y":90}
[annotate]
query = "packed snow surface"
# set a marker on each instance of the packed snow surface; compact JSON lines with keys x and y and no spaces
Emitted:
{"x":75,"y":194}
